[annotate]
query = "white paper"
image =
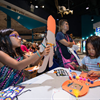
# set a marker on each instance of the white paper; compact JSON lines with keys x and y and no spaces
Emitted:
{"x":62,"y":95}
{"x":78,"y":60}
{"x":75,"y":47}
{"x":41,"y":46}
{"x":49,"y":57}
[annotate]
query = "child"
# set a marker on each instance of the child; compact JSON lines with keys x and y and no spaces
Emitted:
{"x":11,"y":58}
{"x":92,"y":59}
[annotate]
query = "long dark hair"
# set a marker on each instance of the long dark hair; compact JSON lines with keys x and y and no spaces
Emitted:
{"x":6,"y":45}
{"x":95,"y":41}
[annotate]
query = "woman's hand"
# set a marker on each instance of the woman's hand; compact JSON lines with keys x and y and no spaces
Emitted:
{"x":71,"y":44}
{"x":94,"y":73}
{"x":73,"y":64}
{"x":47,"y":50}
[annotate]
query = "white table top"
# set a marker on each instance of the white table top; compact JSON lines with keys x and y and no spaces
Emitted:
{"x":48,"y":87}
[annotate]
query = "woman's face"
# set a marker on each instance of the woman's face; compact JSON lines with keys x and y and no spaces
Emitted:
{"x":91,"y":50}
{"x":65,"y":26}
{"x":15,"y":39}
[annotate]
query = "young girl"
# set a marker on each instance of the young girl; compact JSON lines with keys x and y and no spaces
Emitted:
{"x":11,"y":58}
{"x":92,"y":59}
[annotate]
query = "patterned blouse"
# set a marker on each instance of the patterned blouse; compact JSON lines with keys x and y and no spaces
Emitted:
{"x":10,"y":76}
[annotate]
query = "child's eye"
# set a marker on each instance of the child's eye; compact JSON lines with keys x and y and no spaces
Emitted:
{"x":15,"y":35}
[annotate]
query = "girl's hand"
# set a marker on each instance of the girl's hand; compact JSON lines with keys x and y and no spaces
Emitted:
{"x":47,"y":50}
{"x":93,"y":73}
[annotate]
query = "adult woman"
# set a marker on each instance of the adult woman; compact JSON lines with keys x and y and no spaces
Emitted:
{"x":64,"y":41}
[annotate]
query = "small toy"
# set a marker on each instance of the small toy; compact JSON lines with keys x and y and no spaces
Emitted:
{"x":80,"y":84}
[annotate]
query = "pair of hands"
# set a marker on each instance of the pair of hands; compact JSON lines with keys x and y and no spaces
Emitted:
{"x":90,"y":73}
{"x":94,"y":73}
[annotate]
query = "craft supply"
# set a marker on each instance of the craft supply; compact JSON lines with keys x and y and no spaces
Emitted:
{"x":77,"y":77}
{"x":92,"y":82}
{"x":50,"y":39}
{"x":84,"y":79}
{"x":50,"y":44}
{"x":68,"y":71}
{"x":76,"y":93}
{"x":11,"y":92}
{"x":61,"y":72}
{"x":74,"y":76}
{"x":81,"y":84}
{"x":80,"y":78}
{"x":88,"y":80}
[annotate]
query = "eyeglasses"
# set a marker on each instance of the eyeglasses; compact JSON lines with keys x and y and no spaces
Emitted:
{"x":15,"y":35}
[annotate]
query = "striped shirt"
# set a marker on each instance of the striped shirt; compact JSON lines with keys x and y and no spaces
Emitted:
{"x":92,"y":64}
{"x":10,"y":76}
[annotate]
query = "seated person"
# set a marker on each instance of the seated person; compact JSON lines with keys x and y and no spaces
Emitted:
{"x":91,"y":61}
{"x":24,"y":47}
{"x":13,"y":60}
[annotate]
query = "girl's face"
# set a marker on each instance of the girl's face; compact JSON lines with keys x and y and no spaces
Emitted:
{"x":65,"y":26}
{"x":15,"y":39}
{"x":91,"y":50}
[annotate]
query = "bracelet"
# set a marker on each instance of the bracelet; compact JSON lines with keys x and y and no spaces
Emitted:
{"x":38,"y":54}
{"x":43,"y":45}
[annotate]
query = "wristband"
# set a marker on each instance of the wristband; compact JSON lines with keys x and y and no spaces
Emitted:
{"x":43,"y":45}
{"x":38,"y":54}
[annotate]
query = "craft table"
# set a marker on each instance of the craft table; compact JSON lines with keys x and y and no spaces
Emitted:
{"x":48,"y":87}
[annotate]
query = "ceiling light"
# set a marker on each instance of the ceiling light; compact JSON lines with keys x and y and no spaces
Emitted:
{"x":87,"y":8}
{"x":91,"y":35}
{"x":92,"y":19}
{"x":83,"y":38}
{"x":42,"y":6}
{"x":87,"y":37}
{"x":36,"y":6}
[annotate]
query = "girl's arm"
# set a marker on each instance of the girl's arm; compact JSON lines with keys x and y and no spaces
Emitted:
{"x":11,"y":62}
{"x":67,"y":44}
{"x":34,"y":62}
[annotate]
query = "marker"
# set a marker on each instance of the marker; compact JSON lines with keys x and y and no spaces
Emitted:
{"x":70,"y":76}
